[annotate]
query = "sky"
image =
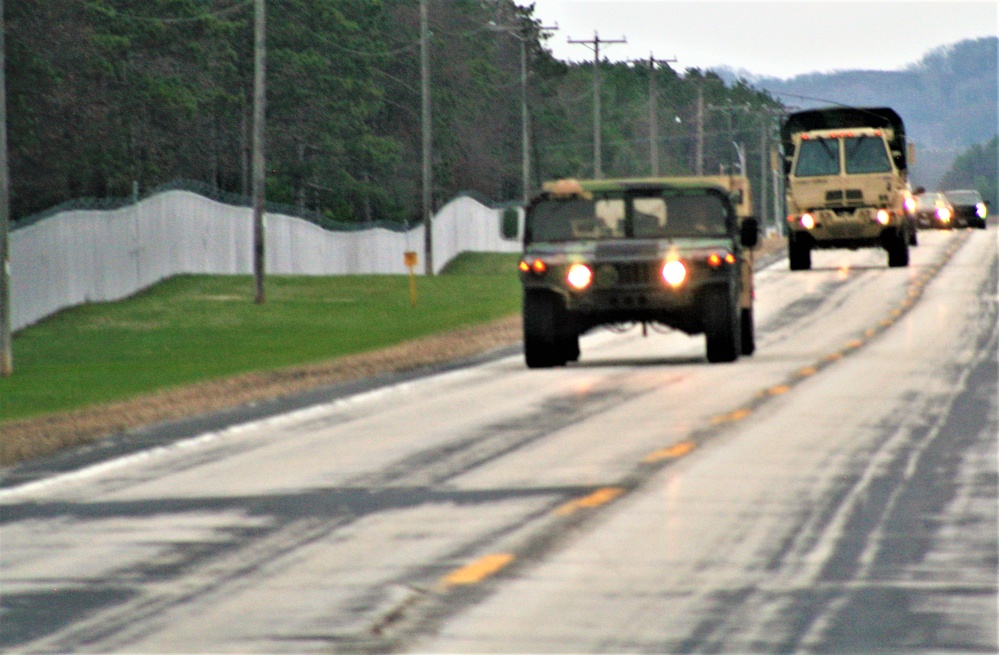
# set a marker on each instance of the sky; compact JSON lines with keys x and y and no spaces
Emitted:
{"x":780,"y":38}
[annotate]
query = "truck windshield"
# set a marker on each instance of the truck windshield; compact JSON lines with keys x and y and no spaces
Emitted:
{"x":652,"y":217}
{"x":866,"y":154}
{"x":818,"y":157}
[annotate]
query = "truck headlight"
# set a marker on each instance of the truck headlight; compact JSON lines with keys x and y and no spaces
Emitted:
{"x":981,"y":210}
{"x":944,"y":215}
{"x":883,"y":216}
{"x":807,"y":221}
{"x":579,"y":276}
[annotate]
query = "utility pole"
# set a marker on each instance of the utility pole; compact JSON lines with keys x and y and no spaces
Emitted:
{"x":6,"y":358}
{"x":728,"y":111}
{"x":259,"y":169}
{"x":654,"y":114}
{"x":525,"y":116}
{"x":594,"y":45}
{"x":428,"y":209}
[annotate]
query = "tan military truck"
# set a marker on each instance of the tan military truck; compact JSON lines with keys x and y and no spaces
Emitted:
{"x":846,"y":174}
{"x":666,"y":251}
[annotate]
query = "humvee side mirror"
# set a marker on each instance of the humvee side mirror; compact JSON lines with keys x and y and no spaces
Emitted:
{"x":749,"y":232}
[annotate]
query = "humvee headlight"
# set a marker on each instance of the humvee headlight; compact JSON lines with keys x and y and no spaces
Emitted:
{"x":943,"y":214}
{"x":883,"y":216}
{"x":910,"y":204}
{"x":807,"y":221}
{"x":674,"y":272}
{"x":579,"y":276}
{"x":981,"y":210}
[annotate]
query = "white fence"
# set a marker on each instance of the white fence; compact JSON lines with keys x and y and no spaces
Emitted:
{"x":83,"y":256}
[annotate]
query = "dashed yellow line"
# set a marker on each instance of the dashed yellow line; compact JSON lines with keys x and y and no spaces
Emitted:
{"x":477,"y":571}
{"x":671,"y":452}
{"x":595,"y":499}
{"x":737,"y":415}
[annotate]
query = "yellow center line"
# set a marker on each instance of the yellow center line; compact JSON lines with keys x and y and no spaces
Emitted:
{"x":478,"y":570}
{"x":595,"y":499}
{"x":737,"y":415}
{"x":778,"y":390}
{"x":671,"y":452}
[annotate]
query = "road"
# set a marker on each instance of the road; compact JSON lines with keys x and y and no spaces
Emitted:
{"x":835,"y":492}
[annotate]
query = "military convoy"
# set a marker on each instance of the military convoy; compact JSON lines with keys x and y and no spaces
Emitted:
{"x":846,"y":175}
{"x":667,"y":251}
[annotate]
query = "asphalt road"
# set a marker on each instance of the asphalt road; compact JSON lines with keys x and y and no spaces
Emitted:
{"x":834,"y":493}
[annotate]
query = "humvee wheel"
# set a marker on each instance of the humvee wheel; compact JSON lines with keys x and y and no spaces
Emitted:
{"x":544,"y":321}
{"x":799,"y":255}
{"x":748,"y":332}
{"x":722,"y":332}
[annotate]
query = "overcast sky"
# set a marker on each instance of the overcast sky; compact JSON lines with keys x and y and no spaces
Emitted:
{"x":779,"y":38}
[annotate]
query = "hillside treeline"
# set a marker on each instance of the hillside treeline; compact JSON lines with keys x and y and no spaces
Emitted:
{"x":109,"y":96}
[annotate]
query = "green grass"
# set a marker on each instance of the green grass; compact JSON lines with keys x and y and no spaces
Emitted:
{"x":193,"y":328}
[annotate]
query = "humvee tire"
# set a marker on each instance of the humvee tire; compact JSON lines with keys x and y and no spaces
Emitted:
{"x":722,"y":332}
{"x":544,"y":318}
{"x":748,"y":331}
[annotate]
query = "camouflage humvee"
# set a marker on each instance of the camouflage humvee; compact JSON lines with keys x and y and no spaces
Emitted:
{"x":672,"y":251}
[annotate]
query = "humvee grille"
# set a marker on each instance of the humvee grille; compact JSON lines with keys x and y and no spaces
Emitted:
{"x":636,"y":273}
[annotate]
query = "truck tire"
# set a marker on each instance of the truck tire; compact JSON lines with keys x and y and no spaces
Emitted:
{"x":545,"y":344}
{"x":748,"y":332}
{"x":723,"y":335}
{"x":898,"y":251}
{"x":799,"y":254}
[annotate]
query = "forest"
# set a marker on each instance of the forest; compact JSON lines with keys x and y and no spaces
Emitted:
{"x":112,"y":98}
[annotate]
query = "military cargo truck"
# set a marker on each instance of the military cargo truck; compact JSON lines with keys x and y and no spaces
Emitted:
{"x":666,"y":251}
{"x":846,"y":174}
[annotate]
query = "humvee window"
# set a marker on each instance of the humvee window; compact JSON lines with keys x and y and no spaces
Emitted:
{"x":818,"y":157}
{"x":866,"y":154}
{"x":653,"y":217}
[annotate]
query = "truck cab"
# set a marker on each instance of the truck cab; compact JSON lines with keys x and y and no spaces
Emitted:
{"x":846,"y":172}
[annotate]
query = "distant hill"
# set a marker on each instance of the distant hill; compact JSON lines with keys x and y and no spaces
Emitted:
{"x":948,"y":99}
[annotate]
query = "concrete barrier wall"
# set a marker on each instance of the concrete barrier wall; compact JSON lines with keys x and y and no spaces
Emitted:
{"x":81,"y":256}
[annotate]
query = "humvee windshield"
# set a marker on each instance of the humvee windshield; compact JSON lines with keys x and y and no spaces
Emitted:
{"x":642,"y":217}
{"x":862,"y":154}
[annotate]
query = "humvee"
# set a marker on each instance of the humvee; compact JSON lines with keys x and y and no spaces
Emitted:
{"x":667,"y":251}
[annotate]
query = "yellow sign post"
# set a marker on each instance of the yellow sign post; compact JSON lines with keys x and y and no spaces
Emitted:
{"x":411,"y":260}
